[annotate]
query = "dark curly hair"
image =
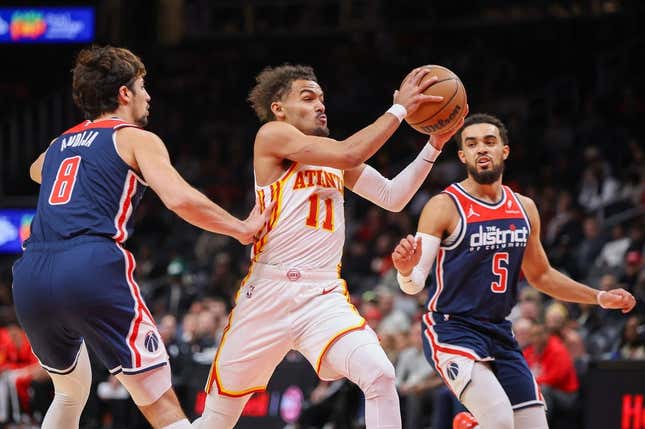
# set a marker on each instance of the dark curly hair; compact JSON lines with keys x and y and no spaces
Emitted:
{"x":272,"y":84}
{"x":98,"y":74}
{"x":483,"y":118}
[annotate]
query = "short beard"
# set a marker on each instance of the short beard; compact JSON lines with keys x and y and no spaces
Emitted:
{"x":486,"y":177}
{"x":142,"y":121}
{"x":320,"y":132}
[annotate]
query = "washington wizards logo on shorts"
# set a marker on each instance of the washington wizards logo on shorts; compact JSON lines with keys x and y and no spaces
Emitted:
{"x":452,"y":370}
{"x":151,"y":342}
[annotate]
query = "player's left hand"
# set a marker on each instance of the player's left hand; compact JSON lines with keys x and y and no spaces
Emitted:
{"x":407,"y":254}
{"x":255,"y":224}
{"x":440,"y":140}
{"x":618,"y":299}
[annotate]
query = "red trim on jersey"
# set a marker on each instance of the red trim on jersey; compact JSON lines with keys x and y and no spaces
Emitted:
{"x":122,"y":216}
{"x":104,"y":123}
{"x":139,"y":309}
{"x":478,"y":211}
{"x":439,"y":276}
{"x":431,"y":335}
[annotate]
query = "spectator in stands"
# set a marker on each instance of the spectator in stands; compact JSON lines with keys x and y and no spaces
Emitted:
{"x":552,"y":366}
{"x":415,"y":380}
{"x":590,"y":247}
{"x":522,"y":331}
{"x":18,"y":368}
{"x":632,"y":343}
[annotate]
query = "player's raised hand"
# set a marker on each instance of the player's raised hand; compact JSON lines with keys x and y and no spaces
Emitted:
{"x":410,"y":95}
{"x":618,"y":299}
{"x":440,"y":140}
{"x":255,"y":223}
{"x":407,"y":254}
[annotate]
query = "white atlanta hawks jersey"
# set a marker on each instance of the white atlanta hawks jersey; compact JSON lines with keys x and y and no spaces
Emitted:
{"x":307,"y":226}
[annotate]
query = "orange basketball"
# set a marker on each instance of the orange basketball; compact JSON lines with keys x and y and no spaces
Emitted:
{"x":438,"y":118}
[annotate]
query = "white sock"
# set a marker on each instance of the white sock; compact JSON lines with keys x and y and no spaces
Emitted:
{"x":181,"y":424}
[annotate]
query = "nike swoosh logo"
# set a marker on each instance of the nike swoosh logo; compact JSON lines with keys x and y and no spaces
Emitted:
{"x":326,"y":291}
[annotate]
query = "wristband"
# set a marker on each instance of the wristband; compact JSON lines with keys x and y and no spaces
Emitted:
{"x":398,"y":111}
{"x":430,"y":153}
{"x":402,"y":278}
{"x":601,"y":293}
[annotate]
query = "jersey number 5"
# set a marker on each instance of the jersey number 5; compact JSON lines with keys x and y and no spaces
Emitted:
{"x":65,"y":180}
{"x":312,"y":218}
{"x":501,"y":272}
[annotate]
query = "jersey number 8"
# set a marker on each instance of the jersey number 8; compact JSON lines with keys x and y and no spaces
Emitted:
{"x":65,"y":180}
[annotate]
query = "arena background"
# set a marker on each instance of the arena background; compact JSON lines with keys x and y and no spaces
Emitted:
{"x":565,"y":76}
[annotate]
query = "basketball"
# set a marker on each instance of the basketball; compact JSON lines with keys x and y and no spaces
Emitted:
{"x":438,"y":118}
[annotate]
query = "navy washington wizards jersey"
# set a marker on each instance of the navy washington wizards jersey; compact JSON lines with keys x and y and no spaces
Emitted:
{"x":87,"y":189}
{"x":476,"y":273}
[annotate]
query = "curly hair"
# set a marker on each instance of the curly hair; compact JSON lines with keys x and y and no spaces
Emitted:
{"x":98,"y":74}
{"x":483,"y":118}
{"x":272,"y":84}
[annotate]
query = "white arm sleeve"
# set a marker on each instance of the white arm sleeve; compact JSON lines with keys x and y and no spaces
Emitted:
{"x":416,"y":281}
{"x":394,"y":194}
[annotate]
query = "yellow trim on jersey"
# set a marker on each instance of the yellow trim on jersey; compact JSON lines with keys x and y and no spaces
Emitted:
{"x":213,"y":374}
{"x":277,"y":191}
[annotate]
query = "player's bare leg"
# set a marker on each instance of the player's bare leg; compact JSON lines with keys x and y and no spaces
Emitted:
{"x":151,"y":391}
{"x":359,"y":357}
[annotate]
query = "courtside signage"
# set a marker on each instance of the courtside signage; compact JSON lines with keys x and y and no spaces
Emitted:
{"x":46,"y":25}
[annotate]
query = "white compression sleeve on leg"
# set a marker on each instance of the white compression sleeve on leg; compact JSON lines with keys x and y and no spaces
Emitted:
{"x":360,"y":358}
{"x":70,"y":394}
{"x":181,"y":424}
{"x":486,"y":400}
{"x":530,"y":418}
{"x":394,"y":194}
{"x":221,"y":412}
{"x":416,"y":281}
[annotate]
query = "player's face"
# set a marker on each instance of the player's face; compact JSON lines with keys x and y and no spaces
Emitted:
{"x":304,"y":108}
{"x":483,"y":152}
{"x":140,"y":104}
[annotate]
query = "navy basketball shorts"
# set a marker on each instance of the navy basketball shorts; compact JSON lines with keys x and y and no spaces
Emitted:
{"x":453,"y":344}
{"x":83,"y":289}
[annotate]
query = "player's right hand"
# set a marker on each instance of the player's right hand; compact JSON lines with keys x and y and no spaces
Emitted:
{"x":254,"y":224}
{"x":407,"y":254}
{"x":410,"y":95}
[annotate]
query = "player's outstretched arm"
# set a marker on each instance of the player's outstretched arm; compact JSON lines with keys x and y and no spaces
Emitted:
{"x":152,"y":160}
{"x":413,"y":256}
{"x":396,"y":193}
{"x":544,"y":277}
{"x":278,"y":139}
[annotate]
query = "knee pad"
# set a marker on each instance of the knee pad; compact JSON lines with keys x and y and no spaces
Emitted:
{"x":371,"y":370}
{"x":147,"y":387}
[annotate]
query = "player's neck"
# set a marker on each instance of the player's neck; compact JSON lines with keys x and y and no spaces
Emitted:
{"x":490,"y":193}
{"x":117,"y":114}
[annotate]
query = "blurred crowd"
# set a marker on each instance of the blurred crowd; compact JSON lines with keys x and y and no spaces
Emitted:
{"x":576,"y":149}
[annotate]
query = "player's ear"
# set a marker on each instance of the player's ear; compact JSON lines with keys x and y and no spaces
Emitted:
{"x":462,"y":156}
{"x":278,"y":110}
{"x":124,"y":94}
{"x":507,"y":151}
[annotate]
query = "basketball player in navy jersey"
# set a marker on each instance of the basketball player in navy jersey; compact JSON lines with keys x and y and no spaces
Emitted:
{"x":74,"y":285}
{"x":479,"y":235}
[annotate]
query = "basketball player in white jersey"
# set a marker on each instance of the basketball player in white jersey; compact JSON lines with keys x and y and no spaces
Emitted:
{"x":293,"y":296}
